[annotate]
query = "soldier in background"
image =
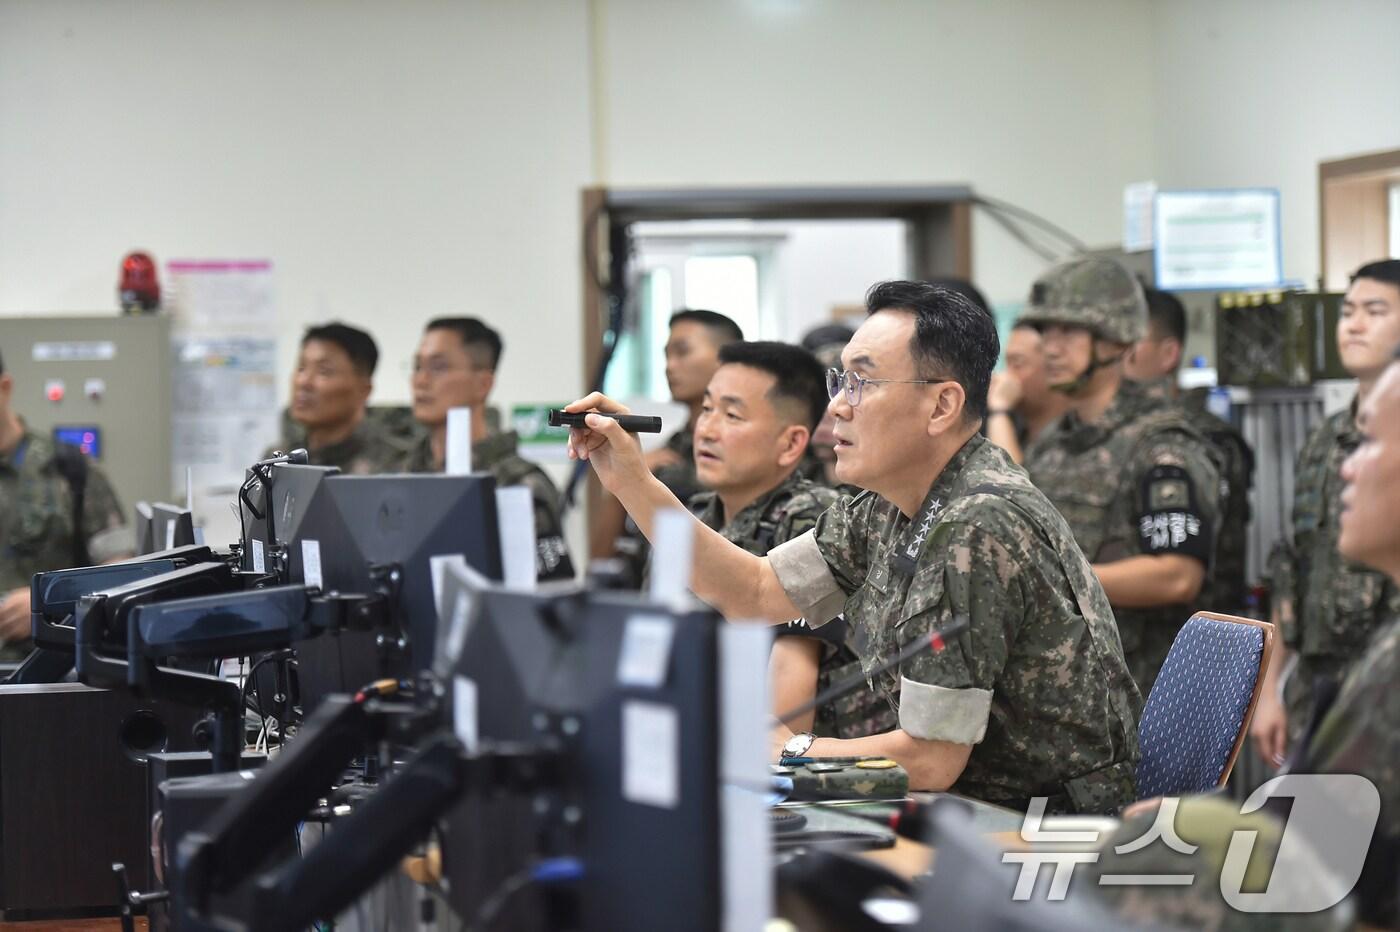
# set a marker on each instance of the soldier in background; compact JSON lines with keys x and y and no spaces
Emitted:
{"x":1153,"y":363}
{"x":1020,"y":404}
{"x":1034,"y":698}
{"x":1326,"y":606}
{"x":1359,"y":733}
{"x":331,"y":385}
{"x":692,"y":356}
{"x":1136,"y":482}
{"x":455,"y":367}
{"x":751,"y":436}
{"x":57,"y":510}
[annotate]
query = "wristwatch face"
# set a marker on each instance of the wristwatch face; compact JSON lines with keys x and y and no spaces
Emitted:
{"x":797,"y":745}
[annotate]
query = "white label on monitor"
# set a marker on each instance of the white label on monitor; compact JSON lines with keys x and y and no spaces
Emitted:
{"x":457,"y":627}
{"x":437,"y":569}
{"x":458,"y":458}
{"x":651,"y":754}
{"x":170,"y":535}
{"x":311,"y":563}
{"x":259,"y":558}
{"x":746,"y":848}
{"x":464,"y":712}
{"x":673,"y":543}
{"x":646,"y":651}
{"x":515,"y":514}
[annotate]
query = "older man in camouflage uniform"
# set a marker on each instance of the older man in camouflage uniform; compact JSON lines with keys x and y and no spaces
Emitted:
{"x":42,"y":525}
{"x":1136,"y":482}
{"x":330,"y":388}
{"x":455,"y":367}
{"x":752,"y":435}
{"x":1034,"y":698}
{"x":1327,"y":606}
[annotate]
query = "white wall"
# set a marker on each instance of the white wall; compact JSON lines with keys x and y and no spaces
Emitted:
{"x":397,"y":161}
{"x":1257,"y":92}
{"x":1046,"y":104}
{"x":826,"y":263}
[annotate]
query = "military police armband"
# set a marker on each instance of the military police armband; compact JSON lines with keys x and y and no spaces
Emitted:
{"x":1170,"y":520}
{"x":833,"y":632}
{"x":552,"y":558}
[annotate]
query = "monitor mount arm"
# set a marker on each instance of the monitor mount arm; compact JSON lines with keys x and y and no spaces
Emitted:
{"x":54,"y":596}
{"x":384,"y":828}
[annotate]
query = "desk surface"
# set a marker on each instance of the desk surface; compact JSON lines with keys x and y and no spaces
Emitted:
{"x":1001,"y":826}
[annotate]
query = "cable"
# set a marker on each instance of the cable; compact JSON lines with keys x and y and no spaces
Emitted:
{"x":551,"y":871}
{"x":1020,"y":235}
{"x":277,"y":655}
{"x":994,"y":203}
{"x":615,"y":294}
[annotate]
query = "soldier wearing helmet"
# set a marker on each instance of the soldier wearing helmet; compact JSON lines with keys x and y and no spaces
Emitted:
{"x":1137,"y":483}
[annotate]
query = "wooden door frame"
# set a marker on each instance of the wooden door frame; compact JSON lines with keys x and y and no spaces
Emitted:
{"x":939,"y":219}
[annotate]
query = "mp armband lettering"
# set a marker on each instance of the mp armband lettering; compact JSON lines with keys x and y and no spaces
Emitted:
{"x":1171,"y":522}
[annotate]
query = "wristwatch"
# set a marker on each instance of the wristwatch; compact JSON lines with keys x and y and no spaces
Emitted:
{"x":797,"y":746}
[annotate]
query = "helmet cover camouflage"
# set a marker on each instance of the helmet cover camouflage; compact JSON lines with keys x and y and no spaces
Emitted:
{"x":1095,"y":293}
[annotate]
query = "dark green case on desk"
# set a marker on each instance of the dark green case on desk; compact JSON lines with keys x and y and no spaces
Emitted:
{"x":845,"y":778}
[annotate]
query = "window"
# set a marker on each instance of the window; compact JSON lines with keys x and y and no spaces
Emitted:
{"x":728,"y":284}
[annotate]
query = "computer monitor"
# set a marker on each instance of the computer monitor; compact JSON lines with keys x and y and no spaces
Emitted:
{"x":634,"y":691}
{"x":171,"y":527}
{"x":266,"y":530}
{"x":352,"y":532}
{"x":101,"y":617}
{"x":144,"y":524}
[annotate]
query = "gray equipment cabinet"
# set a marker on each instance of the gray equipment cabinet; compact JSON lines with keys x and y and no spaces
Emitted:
{"x":104,"y":375}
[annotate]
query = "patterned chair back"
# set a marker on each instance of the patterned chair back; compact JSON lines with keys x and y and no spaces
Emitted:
{"x":1198,"y":714}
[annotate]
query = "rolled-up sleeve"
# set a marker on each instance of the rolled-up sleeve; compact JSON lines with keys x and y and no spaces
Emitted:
{"x":820,"y":568}
{"x":807,"y":579}
{"x":938,"y":713}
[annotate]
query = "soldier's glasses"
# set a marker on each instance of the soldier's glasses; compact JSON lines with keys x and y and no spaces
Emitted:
{"x":854,"y":383}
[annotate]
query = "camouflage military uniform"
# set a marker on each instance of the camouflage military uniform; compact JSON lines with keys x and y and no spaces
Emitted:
{"x":1360,"y":734}
{"x":791,"y":509}
{"x":1037,"y":684}
{"x":368,"y":451}
{"x":680,"y":477}
{"x":497,"y":454}
{"x":1139,"y":480}
{"x":1226,"y":587}
{"x":1208,"y":824}
{"x":1337,"y":605}
{"x":36,"y":519}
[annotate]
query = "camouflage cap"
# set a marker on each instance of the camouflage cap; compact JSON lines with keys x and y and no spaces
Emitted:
{"x":1207,"y":825}
{"x":1095,"y":293}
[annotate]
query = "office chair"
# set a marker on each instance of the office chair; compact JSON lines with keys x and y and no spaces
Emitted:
{"x":1198,"y":714}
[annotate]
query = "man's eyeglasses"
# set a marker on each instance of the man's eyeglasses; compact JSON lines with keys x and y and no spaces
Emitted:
{"x":854,"y":384}
{"x":437,"y":368}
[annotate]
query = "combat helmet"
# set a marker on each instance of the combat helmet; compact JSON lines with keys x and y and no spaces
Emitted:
{"x":1091,"y":292}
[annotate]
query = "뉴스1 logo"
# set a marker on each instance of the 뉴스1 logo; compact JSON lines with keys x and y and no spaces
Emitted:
{"x":1319,"y":859}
